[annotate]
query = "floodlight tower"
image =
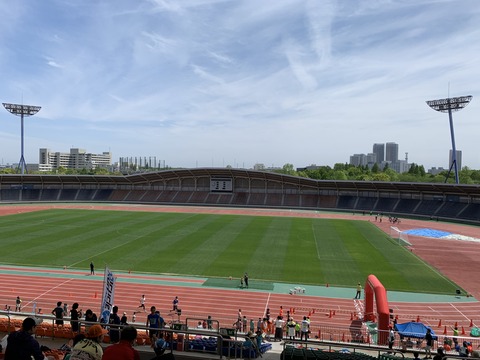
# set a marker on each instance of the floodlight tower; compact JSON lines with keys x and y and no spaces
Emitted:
{"x":22,"y":111}
{"x":449,"y":105}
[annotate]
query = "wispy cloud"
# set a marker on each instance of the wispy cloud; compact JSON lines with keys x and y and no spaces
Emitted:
{"x":216,"y":82}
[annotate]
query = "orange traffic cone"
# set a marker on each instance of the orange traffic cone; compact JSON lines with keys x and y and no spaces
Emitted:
{"x":418,"y":318}
{"x":445,"y":331}
{"x":463,"y":331}
{"x":440,"y":323}
{"x":471,"y":323}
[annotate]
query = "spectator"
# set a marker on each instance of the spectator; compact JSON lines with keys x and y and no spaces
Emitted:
{"x":279,"y":323}
{"x":259,"y":324}
{"x":59,"y":313}
{"x":90,"y":316}
{"x":249,"y":341}
{"x":159,"y":345}
{"x":114,"y":322}
{"x":429,"y":344}
{"x":209,"y":322}
{"x":75,"y":315}
{"x":391,"y":338}
{"x":291,"y":329}
{"x":76,"y":340}
{"x":124,"y":349}
{"x":124,"y":320}
{"x":153,"y":322}
{"x":463,"y":352}
{"x":304,"y":329}
{"x":21,"y":345}
{"x":440,"y":354}
{"x":89,"y":348}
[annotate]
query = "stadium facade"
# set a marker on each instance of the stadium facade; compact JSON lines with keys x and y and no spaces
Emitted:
{"x":250,"y":188}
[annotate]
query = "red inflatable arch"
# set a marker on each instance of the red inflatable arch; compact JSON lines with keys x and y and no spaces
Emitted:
{"x":373,"y":286}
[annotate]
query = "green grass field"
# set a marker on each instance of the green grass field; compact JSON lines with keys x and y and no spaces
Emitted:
{"x":281,"y":249}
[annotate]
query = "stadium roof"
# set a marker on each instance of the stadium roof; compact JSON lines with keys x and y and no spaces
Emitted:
{"x":154,"y":178}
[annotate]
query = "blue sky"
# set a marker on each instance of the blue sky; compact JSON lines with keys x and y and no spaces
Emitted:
{"x":202,"y":83}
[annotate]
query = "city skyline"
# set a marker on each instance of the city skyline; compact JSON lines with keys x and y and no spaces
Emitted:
{"x":216,"y":83}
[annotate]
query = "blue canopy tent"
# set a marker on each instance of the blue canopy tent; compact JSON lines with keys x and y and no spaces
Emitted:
{"x":413,"y":329}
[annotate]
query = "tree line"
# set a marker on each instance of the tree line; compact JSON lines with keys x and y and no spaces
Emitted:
{"x":339,"y":171}
{"x":416,"y":173}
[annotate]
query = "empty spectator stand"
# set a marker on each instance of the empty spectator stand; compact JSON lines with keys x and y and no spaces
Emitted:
{"x":249,"y":188}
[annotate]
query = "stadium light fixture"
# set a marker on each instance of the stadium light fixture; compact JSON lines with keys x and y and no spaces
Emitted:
{"x":22,"y":111}
{"x":449,"y":105}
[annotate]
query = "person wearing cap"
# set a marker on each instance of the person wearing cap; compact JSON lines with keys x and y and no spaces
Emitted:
{"x":89,"y":348}
{"x":358,"y":295}
{"x":21,"y":345}
{"x":123,"y":350}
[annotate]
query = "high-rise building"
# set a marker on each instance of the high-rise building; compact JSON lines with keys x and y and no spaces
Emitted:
{"x":459,"y":159}
{"x":358,"y":160}
{"x":391,"y":152}
{"x":379,"y":151}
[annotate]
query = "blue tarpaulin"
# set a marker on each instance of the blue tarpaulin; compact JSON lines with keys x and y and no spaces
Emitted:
{"x":414,"y":329}
{"x":427,"y":233}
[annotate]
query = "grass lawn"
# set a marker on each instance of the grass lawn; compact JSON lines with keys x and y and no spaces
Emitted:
{"x":292,"y":250}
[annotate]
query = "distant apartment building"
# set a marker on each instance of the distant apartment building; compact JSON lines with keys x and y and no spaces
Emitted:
{"x":358,"y":160}
{"x":77,"y":159}
{"x":382,"y":155}
{"x":391,"y":152}
{"x":379,"y":151}
{"x":459,"y":159}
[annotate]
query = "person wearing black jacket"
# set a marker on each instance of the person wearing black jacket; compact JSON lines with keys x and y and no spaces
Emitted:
{"x":21,"y":345}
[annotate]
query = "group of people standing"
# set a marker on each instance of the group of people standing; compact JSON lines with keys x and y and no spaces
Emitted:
{"x":276,"y":327}
{"x":244,"y":281}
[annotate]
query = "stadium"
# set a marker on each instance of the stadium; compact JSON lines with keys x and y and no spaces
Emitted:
{"x":446,"y":208}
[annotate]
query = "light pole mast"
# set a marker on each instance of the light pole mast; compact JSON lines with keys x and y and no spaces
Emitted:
{"x":449,"y":105}
{"x":22,"y":110}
